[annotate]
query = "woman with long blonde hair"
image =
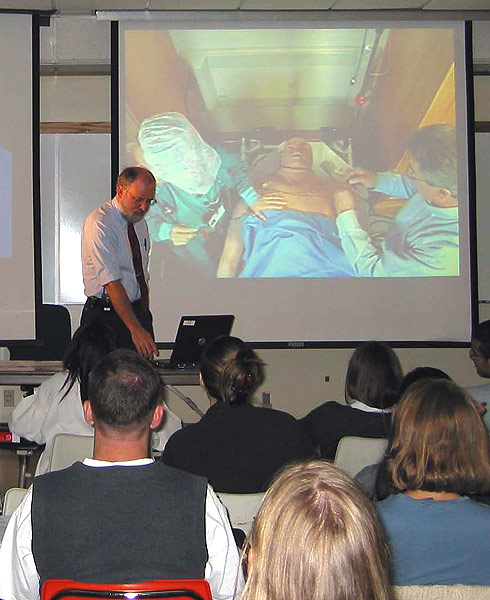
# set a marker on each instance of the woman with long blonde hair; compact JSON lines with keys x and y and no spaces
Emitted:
{"x":316,"y":537}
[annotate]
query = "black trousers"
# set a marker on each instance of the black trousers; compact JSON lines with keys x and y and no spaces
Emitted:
{"x":98,"y":309}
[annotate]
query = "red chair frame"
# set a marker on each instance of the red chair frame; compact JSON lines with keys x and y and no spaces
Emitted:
{"x":67,"y":589}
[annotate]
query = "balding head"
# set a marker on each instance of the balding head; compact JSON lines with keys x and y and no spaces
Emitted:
{"x":124,"y":390}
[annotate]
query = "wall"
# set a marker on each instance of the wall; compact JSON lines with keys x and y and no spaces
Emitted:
{"x":296,"y":378}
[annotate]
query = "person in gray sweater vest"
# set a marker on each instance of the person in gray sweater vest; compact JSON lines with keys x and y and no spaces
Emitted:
{"x":119,"y":517}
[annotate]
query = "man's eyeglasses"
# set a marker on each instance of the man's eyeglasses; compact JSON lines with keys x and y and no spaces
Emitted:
{"x":149,"y":201}
{"x":474,"y":354}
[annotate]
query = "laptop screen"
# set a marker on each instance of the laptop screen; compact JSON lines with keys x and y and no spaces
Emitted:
{"x":193,"y":335}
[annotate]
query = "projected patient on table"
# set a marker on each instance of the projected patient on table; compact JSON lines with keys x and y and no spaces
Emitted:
{"x":293,"y":232}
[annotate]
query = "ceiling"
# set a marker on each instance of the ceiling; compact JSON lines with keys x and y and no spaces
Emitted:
{"x":90,"y":6}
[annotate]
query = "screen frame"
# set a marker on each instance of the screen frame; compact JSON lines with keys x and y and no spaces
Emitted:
{"x":39,"y":19}
{"x":259,"y":19}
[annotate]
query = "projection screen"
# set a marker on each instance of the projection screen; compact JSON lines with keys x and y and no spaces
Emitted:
{"x":17,"y":256}
{"x":312,"y":178}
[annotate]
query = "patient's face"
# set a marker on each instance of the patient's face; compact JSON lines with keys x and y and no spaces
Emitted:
{"x":297,"y":154}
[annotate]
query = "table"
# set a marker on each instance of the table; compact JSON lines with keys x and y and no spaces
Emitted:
{"x":34,"y":372}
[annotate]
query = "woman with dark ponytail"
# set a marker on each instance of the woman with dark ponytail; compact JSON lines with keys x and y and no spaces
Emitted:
{"x":238,"y":447}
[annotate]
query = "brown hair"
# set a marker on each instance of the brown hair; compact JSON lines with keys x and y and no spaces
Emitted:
{"x":373,"y":376}
{"x":130,"y":174}
{"x":439,"y":441}
{"x":230,"y":370}
{"x":434,"y":148}
{"x":316,"y":537}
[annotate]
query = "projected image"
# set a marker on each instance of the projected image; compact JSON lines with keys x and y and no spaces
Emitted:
{"x":5,"y":203}
{"x":297,"y":153}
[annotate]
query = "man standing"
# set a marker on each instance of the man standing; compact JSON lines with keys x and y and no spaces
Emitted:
{"x":119,"y":517}
{"x":115,"y":249}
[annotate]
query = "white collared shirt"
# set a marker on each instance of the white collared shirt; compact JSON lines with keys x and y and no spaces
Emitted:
{"x":369,"y":409}
{"x":106,"y":251}
{"x":19,"y":579}
{"x":47,"y":412}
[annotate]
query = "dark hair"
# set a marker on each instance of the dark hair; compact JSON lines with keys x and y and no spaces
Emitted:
{"x":130,"y":174}
{"x":230,"y":370}
{"x":481,"y":333}
{"x":440,"y":443}
{"x":434,"y":149}
{"x":373,"y":375}
{"x":89,"y":344}
{"x":124,"y":390}
{"x":421,"y":373}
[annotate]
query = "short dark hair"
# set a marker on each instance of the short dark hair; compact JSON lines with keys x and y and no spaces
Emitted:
{"x":89,"y":344}
{"x":421,"y":373}
{"x":481,"y":333}
{"x":130,"y":174}
{"x":124,"y":390}
{"x":434,"y":149}
{"x":373,"y":375}
{"x":440,"y":443}
{"x":230,"y":370}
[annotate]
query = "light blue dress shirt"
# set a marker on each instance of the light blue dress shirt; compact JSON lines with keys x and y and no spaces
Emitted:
{"x":106,"y":251}
{"x":422,"y":240}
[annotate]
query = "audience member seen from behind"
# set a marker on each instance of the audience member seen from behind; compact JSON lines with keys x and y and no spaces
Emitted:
{"x":56,"y":406}
{"x":439,"y":455}
{"x":374,"y":479}
{"x":480,"y":355}
{"x":317,"y":536}
{"x":119,"y":517}
{"x":371,"y":390}
{"x":237,"y":446}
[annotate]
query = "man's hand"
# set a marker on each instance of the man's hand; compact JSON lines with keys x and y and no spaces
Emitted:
{"x":181,"y":235}
{"x":269,"y":201}
{"x":144,"y":342}
{"x":344,"y":200}
{"x":366,"y":178}
{"x":141,"y":338}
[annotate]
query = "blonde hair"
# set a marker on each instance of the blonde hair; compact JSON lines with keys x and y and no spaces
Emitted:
{"x":316,"y":537}
{"x":439,"y":441}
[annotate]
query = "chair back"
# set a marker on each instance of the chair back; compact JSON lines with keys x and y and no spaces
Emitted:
{"x":242,"y":509}
{"x":54,"y":333}
{"x":13,"y":497}
{"x":442,"y":592}
{"x":354,"y":453}
{"x":68,"y":448}
{"x":66,"y":589}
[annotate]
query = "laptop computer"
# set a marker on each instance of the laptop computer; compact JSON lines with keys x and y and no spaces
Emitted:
{"x":193,"y":333}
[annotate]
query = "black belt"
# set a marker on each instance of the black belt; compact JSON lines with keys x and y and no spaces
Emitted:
{"x":104,"y":302}
{"x":93,"y":301}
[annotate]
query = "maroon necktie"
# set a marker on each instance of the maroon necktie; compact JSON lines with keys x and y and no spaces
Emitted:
{"x":138,"y":265}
